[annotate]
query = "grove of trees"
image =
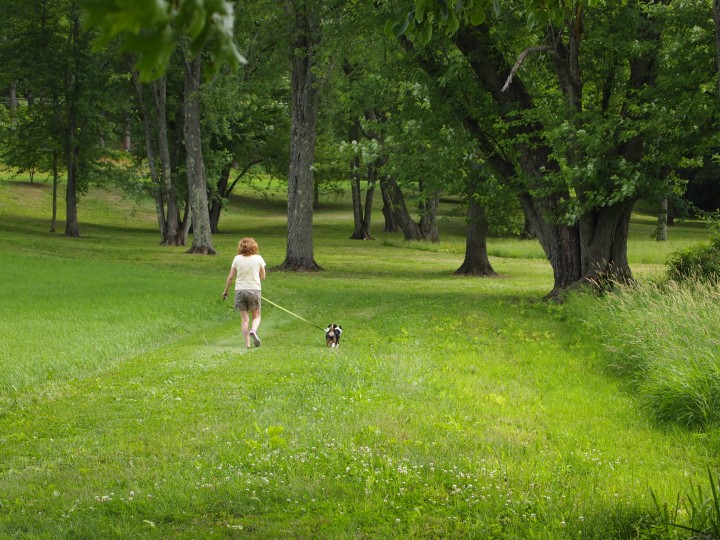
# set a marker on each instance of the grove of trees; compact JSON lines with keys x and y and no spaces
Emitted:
{"x":546,"y":118}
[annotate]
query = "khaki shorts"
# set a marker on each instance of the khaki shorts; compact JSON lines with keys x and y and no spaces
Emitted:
{"x":247,"y":300}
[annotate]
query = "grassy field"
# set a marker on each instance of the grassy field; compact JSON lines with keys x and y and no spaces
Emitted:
{"x":455,"y":407}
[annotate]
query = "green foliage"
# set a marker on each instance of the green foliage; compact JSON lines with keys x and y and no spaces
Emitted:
{"x":700,"y":261}
{"x":152,"y":30}
{"x":28,"y":139}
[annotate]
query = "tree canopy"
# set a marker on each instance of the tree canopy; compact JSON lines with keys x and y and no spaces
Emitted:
{"x":543,"y":116}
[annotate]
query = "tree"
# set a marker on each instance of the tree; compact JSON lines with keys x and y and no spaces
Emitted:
{"x":304,"y":20}
{"x":580,"y":135}
{"x":195,"y":165}
{"x":70,"y":103}
{"x":153,"y":111}
{"x":246,"y":127}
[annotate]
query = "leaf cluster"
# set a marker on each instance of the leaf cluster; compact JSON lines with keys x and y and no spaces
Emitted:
{"x":152,"y":30}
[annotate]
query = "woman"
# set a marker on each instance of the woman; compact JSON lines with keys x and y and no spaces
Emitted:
{"x":248,"y":270}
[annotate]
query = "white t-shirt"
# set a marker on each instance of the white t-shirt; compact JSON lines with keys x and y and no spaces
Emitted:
{"x":247,"y":270}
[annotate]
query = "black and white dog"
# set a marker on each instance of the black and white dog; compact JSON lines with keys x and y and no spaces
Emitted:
{"x":332,"y":335}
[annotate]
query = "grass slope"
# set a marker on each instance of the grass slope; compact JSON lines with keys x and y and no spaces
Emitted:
{"x":455,"y":407}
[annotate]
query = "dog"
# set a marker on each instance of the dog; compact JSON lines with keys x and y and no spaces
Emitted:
{"x":332,"y":335}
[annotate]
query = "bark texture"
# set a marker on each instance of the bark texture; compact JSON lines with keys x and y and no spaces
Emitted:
{"x":398,"y":208}
{"x":172,"y":232}
{"x":72,"y":148}
{"x":476,"y":261}
{"x":303,"y":18}
{"x":195,"y":165}
{"x":387,"y":209}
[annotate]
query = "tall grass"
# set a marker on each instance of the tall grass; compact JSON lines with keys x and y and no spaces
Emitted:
{"x":665,"y":337}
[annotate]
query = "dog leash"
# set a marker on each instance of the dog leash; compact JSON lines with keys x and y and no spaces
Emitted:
{"x":291,"y":313}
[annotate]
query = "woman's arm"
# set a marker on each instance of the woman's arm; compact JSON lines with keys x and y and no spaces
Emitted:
{"x":230,"y":278}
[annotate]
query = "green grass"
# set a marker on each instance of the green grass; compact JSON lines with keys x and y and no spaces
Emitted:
{"x":455,"y":408}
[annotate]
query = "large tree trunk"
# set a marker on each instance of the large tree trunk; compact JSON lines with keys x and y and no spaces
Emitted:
{"x":304,"y":31}
{"x":603,"y":244}
{"x":528,"y":233}
{"x":197,"y":185}
{"x":560,"y":242}
{"x":173,"y":234}
{"x":476,"y":261}
{"x":401,"y":216}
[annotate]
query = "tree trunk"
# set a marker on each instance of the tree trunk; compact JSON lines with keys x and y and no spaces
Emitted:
{"x":13,"y":99}
{"x":72,"y":149}
{"x":187,"y":220}
{"x":603,"y":244}
{"x":53,"y":221}
{"x":217,"y":205}
{"x":356,"y":200}
{"x":390,"y":223}
{"x":560,"y":242}
{"x":399,"y":210}
{"x":304,"y":31}
{"x":528,"y":233}
{"x":369,"y":195}
{"x":195,"y":165}
{"x":428,"y":220}
{"x":127,"y":141}
{"x":150,"y":153}
{"x":476,"y":261}
{"x":662,"y":221}
{"x":429,"y":204}
{"x":173,"y":234}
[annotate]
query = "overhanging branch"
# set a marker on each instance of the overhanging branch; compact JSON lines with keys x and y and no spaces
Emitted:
{"x":520,"y":60}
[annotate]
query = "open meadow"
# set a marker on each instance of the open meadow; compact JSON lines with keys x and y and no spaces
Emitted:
{"x":454,"y":407}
